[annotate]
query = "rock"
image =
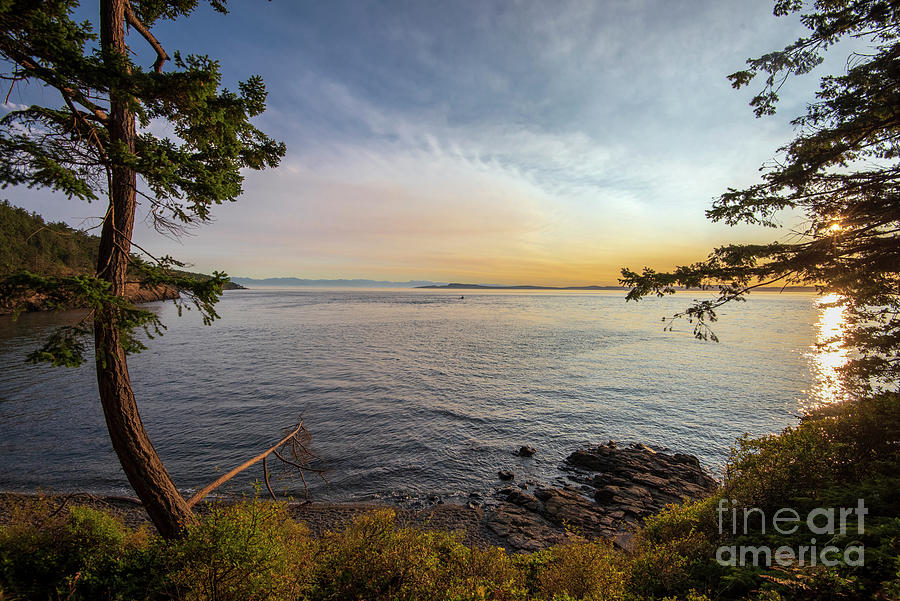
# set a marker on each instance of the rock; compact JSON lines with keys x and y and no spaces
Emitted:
{"x":524,"y":530}
{"x":543,"y":493}
{"x":605,"y":495}
{"x":650,"y":480}
{"x":637,"y":479}
{"x":137,"y":294}
{"x":525,"y":500}
{"x":624,"y":540}
{"x":615,"y":489}
{"x":687,"y":459}
{"x":134,"y":292}
{"x":527,"y":451}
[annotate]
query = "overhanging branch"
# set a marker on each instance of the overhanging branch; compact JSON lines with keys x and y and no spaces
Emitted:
{"x":50,"y":77}
{"x":261,"y":457}
{"x":161,"y":56}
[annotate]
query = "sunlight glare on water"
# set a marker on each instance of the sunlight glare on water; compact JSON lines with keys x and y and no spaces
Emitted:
{"x":829,"y":354}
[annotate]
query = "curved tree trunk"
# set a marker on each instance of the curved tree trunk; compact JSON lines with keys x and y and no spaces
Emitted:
{"x":148,"y":476}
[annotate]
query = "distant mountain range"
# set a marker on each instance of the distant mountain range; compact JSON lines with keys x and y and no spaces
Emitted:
{"x":456,"y":286}
{"x":428,"y":285}
{"x":287,"y":282}
{"x":498,"y":287}
{"x":298,"y":282}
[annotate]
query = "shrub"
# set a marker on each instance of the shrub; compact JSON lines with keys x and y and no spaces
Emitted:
{"x":592,"y":571}
{"x":374,"y":558}
{"x":243,"y":552}
{"x":837,"y":455}
{"x":47,"y":552}
{"x":471,"y":573}
{"x":837,"y":445}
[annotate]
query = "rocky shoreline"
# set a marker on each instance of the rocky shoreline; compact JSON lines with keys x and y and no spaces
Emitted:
{"x":134,"y":292}
{"x":611,"y":490}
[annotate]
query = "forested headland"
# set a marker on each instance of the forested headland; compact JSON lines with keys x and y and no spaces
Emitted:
{"x":30,"y":243}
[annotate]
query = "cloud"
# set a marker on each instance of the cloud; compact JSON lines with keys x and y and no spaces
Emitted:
{"x":400,"y":193}
{"x":503,"y":141}
{"x":9,"y":107}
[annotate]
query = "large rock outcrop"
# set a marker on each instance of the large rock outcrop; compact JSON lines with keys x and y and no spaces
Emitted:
{"x":616,"y":489}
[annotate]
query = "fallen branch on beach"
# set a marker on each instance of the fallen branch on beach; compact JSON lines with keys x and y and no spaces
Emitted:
{"x":295,"y":442}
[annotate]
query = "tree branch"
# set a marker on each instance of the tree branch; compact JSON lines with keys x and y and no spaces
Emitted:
{"x":161,"y":56}
{"x":49,"y":76}
{"x":266,"y":479}
{"x":228,"y":476}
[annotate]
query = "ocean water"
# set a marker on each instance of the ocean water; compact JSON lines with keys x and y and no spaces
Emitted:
{"x":408,"y":393}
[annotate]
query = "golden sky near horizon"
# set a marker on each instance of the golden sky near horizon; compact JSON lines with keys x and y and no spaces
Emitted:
{"x":500,"y":144}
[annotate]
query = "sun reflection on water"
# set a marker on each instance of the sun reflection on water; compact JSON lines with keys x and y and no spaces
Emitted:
{"x":829,"y":353}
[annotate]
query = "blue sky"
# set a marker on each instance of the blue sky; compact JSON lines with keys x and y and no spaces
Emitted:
{"x":498,"y":142}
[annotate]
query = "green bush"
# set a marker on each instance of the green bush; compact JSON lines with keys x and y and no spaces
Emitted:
{"x":243,"y":552}
{"x":374,"y":559}
{"x":834,"y":457}
{"x":838,"y":445}
{"x":76,"y":554}
{"x":592,"y":571}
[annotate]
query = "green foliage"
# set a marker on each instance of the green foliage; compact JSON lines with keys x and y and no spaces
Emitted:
{"x":852,"y":442}
{"x":27,"y":243}
{"x":69,"y":149}
{"x":244,"y":552}
{"x":77,"y":147}
{"x":673,"y":565}
{"x":75,"y":554}
{"x":592,"y":571}
{"x":375,"y":559}
{"x":841,"y":172}
{"x":833,"y":458}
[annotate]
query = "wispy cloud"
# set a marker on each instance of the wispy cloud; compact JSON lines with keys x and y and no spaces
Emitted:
{"x":504,"y":141}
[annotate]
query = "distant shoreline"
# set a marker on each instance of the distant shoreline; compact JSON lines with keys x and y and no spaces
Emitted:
{"x":622,"y":288}
{"x":486,"y":287}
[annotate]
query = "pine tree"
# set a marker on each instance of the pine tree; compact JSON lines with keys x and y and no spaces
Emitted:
{"x":95,"y":143}
{"x":841,"y":172}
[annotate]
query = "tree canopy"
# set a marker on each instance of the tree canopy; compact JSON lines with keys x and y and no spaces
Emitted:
{"x":841,"y":172}
{"x":28,"y":242}
{"x":95,"y":143}
{"x":71,"y":148}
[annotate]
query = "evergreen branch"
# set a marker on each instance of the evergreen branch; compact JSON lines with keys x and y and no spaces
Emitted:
{"x":134,"y":21}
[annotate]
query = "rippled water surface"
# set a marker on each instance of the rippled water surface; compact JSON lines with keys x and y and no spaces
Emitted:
{"x":416,"y":392}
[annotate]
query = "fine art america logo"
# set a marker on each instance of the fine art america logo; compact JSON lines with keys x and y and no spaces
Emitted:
{"x":823,"y":522}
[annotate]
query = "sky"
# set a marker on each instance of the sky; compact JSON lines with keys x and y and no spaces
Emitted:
{"x":492,"y":142}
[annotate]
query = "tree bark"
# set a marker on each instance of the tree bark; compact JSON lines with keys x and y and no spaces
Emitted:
{"x":148,"y":476}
